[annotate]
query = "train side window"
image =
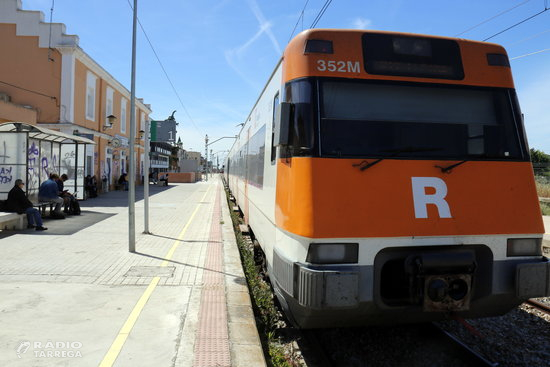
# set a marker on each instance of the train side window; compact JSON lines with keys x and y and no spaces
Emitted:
{"x":273,"y":147}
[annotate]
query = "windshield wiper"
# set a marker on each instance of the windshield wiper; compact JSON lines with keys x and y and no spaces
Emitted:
{"x":395,"y":152}
{"x":449,"y":169}
{"x":367,"y":165}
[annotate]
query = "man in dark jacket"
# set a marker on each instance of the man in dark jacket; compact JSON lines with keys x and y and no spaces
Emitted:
{"x":18,"y":202}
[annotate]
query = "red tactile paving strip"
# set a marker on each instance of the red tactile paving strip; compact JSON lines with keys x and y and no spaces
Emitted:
{"x":212,"y":338}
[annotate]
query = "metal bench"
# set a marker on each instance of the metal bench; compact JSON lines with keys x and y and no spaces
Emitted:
{"x":42,"y":205}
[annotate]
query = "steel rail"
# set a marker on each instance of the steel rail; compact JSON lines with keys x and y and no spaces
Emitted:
{"x":538,"y":305}
{"x":471,"y":356}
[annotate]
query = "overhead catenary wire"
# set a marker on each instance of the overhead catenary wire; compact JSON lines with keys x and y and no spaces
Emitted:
{"x":320,"y":14}
{"x":529,"y":54}
{"x":518,"y":23}
{"x":165,"y":73}
{"x":527,"y":38}
{"x":298,"y":21}
{"x":491,"y":18}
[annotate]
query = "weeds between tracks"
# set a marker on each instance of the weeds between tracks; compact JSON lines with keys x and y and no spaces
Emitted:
{"x":263,"y":303}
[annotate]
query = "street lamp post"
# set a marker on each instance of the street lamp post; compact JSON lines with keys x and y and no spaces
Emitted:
{"x":132,"y":170}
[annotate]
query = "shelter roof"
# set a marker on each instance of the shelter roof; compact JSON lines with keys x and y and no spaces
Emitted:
{"x":42,"y":133}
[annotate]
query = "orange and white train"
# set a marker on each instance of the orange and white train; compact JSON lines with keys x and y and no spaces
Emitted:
{"x":386,"y":177}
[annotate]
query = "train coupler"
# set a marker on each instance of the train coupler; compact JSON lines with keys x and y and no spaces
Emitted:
{"x":441,"y":282}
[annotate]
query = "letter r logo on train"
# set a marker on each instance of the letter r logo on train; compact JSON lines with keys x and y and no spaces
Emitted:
{"x":422,"y":199}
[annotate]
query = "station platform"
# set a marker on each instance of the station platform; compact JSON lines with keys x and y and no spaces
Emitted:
{"x":75,"y":296}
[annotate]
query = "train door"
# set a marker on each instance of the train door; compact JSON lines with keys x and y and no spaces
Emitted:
{"x":246,"y":199}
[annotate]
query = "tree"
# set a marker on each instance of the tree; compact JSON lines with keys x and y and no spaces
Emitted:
{"x":538,"y":156}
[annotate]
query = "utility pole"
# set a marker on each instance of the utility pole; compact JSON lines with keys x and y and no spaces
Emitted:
{"x":206,"y":149}
{"x":206,"y":157}
{"x":210,"y":166}
{"x":132,"y":171}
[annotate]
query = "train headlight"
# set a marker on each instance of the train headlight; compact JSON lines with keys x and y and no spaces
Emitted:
{"x":333,"y":253}
{"x":524,"y":247}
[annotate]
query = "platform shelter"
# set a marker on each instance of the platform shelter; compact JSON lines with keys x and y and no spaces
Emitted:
{"x":32,"y":152}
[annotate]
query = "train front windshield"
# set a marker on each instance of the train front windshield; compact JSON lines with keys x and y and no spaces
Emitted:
{"x":374,"y":119}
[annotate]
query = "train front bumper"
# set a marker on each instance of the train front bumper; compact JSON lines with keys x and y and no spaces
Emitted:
{"x":329,"y":296}
{"x":533,"y":280}
{"x":321,"y":289}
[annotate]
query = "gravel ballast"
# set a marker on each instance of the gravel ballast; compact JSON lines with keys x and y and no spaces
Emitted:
{"x":519,"y":338}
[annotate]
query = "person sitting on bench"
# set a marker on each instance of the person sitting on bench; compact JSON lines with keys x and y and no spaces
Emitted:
{"x":49,"y":191}
{"x":67,"y":197}
{"x":123,"y":181}
{"x":164,"y":179}
{"x":19,"y":203}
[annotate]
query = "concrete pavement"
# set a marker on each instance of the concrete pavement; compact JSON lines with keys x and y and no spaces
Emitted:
{"x":75,"y":296}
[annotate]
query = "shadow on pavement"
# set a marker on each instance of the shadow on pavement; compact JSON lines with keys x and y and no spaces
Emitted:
{"x":68,"y":226}
{"x":190,"y":241}
{"x":180,"y":263}
{"x":120,"y":198}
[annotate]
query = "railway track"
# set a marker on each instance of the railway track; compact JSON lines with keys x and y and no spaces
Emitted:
{"x":414,"y":346}
{"x":316,"y":353}
{"x":467,"y":354}
{"x":538,"y":305}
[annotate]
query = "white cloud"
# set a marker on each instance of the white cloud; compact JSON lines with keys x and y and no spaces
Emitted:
{"x":361,"y":23}
{"x":263,"y":28}
{"x":264,"y":24}
{"x":238,"y":52}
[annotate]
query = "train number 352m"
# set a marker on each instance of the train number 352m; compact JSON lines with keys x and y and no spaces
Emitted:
{"x":338,"y":66}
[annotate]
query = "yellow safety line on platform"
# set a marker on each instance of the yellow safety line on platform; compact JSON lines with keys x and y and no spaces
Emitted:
{"x":117,"y":345}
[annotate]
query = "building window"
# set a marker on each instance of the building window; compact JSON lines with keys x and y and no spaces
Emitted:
{"x":90,"y":96}
{"x":109,"y":102}
{"x":142,"y":121}
{"x":123,"y":109}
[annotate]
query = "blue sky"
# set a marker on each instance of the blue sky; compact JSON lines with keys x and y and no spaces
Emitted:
{"x":219,"y":53}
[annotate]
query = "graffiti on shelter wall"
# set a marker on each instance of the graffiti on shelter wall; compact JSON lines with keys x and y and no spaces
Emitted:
{"x":12,"y":149}
{"x":4,"y":153}
{"x":6,"y":176}
{"x":33,"y":161}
